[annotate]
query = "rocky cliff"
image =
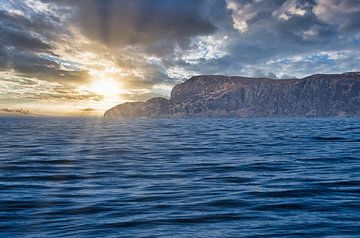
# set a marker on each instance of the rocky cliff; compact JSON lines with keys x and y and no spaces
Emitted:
{"x":223,"y":96}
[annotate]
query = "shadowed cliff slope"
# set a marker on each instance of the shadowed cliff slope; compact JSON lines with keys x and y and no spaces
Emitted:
{"x":223,"y":96}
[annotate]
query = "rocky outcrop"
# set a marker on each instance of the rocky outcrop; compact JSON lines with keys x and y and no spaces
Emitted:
{"x":154,"y":107}
{"x":223,"y":96}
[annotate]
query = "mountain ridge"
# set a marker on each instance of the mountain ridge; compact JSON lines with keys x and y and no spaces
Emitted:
{"x":236,"y":96}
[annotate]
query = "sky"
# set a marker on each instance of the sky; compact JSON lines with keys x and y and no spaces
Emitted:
{"x":66,"y":57}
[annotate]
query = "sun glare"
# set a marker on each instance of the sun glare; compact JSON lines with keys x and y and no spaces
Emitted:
{"x":106,"y":87}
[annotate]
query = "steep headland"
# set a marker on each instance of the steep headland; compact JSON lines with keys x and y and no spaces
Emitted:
{"x":224,"y":96}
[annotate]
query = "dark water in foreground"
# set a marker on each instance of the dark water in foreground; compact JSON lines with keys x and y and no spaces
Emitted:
{"x":180,"y":178}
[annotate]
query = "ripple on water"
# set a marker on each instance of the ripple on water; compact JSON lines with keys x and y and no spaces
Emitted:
{"x":76,"y":177}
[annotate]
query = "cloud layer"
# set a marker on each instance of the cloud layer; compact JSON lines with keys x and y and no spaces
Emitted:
{"x":148,"y":46}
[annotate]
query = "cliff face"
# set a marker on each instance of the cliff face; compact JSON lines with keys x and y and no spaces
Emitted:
{"x":223,"y":96}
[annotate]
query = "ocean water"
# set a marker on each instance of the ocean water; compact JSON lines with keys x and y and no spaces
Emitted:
{"x":77,"y":177}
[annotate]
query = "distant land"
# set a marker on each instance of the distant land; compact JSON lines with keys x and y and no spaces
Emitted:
{"x":15,"y":111}
{"x":26,"y":112}
{"x":319,"y":95}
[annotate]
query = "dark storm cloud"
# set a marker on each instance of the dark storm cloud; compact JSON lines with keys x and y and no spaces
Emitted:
{"x":16,"y":37}
{"x":25,"y":39}
{"x":3,"y":59}
{"x":157,"y":24}
{"x":38,"y":66}
{"x":15,"y":32}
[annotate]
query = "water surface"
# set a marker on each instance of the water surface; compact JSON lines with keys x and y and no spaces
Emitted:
{"x":76,"y":177}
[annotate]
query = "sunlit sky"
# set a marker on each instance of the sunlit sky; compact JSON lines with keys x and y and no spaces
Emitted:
{"x":67,"y":57}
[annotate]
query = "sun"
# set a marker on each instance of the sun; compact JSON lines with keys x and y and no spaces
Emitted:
{"x":107,"y":87}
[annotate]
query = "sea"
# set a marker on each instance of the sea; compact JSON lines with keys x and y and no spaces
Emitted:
{"x":200,"y":177}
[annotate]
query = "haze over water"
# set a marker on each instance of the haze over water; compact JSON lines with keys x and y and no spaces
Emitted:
{"x":79,"y":177}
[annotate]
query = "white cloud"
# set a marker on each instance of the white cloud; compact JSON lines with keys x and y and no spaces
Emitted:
{"x":289,"y":9}
{"x":241,"y":14}
{"x":204,"y":48}
{"x":301,"y":65}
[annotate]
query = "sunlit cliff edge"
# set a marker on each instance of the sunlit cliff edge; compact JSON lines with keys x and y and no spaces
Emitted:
{"x":232,"y":96}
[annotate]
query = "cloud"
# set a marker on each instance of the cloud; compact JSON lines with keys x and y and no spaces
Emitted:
{"x":27,"y":35}
{"x":55,"y":50}
{"x":37,"y":66}
{"x":12,"y":35}
{"x":241,"y":14}
{"x":291,"y":8}
{"x":249,"y":12}
{"x":88,"y":109}
{"x":154,"y":23}
{"x":344,"y":14}
{"x":22,"y":87}
{"x":276,"y":29}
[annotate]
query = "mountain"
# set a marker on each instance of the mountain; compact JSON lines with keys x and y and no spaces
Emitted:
{"x":319,"y":95}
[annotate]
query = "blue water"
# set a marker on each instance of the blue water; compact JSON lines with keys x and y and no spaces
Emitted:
{"x":179,"y":177}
